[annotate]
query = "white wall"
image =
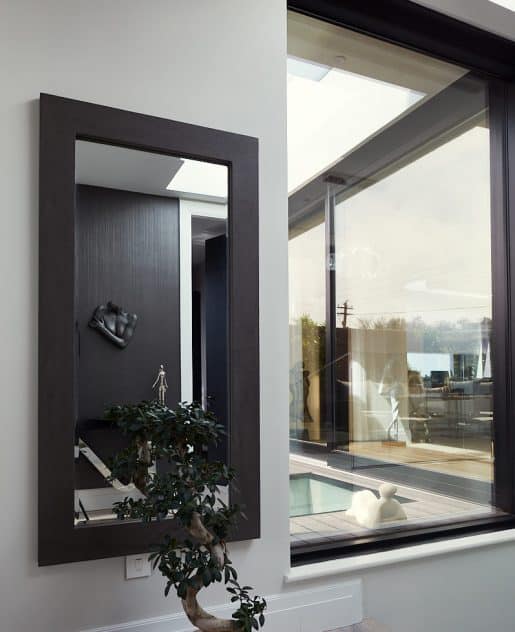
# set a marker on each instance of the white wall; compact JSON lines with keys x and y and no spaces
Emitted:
{"x":219,"y":63}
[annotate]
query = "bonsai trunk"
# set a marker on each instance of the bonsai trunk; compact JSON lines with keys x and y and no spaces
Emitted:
{"x":141,"y":476}
{"x":202,"y":619}
{"x":194,"y":611}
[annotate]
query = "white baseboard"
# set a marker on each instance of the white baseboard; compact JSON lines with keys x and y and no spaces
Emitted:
{"x":314,"y":610}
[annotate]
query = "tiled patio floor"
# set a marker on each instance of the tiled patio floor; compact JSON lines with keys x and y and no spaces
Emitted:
{"x":474,"y":464}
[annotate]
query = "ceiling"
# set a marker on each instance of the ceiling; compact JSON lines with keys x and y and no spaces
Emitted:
{"x":126,"y":169}
{"x":202,"y":229}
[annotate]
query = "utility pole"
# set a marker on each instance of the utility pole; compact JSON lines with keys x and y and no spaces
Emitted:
{"x":344,"y":310}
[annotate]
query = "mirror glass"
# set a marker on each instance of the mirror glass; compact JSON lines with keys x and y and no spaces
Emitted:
{"x":151,"y":302}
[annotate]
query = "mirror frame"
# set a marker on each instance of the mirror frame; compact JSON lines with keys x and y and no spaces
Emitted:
{"x":62,"y":122}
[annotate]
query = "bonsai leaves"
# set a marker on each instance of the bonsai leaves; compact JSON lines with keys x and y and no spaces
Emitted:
{"x":188,"y":490}
{"x":250,"y":614}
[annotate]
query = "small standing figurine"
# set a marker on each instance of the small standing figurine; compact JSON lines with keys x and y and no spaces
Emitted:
{"x":162,"y":385}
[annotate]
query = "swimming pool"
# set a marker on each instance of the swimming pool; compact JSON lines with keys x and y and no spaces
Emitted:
{"x":314,"y":494}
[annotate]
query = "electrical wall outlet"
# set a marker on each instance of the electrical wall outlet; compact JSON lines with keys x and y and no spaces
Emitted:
{"x":137,"y":566}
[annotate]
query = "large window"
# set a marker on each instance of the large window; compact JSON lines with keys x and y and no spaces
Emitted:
{"x":391,"y":372}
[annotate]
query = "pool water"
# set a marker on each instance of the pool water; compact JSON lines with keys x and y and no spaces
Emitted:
{"x":314,"y":494}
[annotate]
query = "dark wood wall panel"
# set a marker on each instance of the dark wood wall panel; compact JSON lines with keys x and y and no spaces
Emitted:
{"x":216,"y":335}
{"x":128,"y":252}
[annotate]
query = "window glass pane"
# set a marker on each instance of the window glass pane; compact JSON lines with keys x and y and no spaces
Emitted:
{"x":390,"y":287}
{"x":307,"y":334}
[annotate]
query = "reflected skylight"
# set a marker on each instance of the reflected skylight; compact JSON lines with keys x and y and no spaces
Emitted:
{"x":200,"y":178}
{"x":507,"y":4}
{"x":331,"y":111}
{"x":306,"y":69}
{"x":97,"y":164}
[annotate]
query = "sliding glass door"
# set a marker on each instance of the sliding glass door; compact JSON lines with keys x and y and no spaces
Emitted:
{"x":391,"y":374}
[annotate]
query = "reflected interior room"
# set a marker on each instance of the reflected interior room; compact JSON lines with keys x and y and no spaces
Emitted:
{"x":151,"y":301}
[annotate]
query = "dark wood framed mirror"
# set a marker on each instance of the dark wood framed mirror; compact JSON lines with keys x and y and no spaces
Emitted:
{"x":148,"y":255}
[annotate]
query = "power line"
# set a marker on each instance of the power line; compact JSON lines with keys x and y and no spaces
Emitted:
{"x":441,"y":309}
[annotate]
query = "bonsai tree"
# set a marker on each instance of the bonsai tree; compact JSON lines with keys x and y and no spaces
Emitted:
{"x":187,"y":492}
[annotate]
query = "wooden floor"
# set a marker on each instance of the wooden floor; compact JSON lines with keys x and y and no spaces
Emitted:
{"x":473,"y":464}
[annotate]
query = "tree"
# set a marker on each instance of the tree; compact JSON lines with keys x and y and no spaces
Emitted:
{"x":188,"y":494}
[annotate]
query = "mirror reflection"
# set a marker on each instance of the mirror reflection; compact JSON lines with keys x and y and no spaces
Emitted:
{"x":151,"y":303}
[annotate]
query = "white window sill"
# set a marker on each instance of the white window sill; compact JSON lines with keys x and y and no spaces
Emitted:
{"x":406,"y":554}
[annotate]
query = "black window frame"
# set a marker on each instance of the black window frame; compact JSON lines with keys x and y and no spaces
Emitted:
{"x":417,"y":28}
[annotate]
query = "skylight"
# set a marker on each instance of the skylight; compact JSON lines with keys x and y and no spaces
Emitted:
{"x":330,"y":111}
{"x":507,"y":4}
{"x":306,"y":69}
{"x":200,"y":178}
